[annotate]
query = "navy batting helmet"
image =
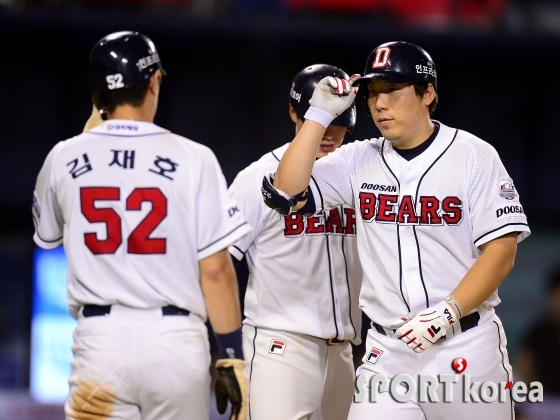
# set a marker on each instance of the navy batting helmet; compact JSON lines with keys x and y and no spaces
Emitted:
{"x":121,"y":60}
{"x":304,"y":84}
{"x":398,"y":62}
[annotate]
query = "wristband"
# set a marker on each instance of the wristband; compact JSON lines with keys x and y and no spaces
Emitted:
{"x":450,"y":299}
{"x":319,"y":116}
{"x":230,"y":345}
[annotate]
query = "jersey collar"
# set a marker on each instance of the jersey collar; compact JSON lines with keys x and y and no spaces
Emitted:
{"x":128,"y":128}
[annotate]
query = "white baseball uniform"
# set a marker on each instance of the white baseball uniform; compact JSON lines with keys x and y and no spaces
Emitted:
{"x":420,"y":224}
{"x":136,"y":208}
{"x":304,"y":279}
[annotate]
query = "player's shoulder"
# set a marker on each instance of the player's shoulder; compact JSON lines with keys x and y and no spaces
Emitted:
{"x":267,"y":163}
{"x":361,"y":148}
{"x":468,"y":142}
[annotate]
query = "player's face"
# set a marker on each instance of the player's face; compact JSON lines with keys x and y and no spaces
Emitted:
{"x":333,"y":137}
{"x":397,"y":111}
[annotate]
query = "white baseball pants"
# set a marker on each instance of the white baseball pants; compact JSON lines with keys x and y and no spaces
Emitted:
{"x":298,"y":378}
{"x":483,"y":347}
{"x":136,"y":364}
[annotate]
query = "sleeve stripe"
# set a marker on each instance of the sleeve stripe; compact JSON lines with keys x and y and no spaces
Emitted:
{"x":48,"y":242}
{"x":236,"y":247}
{"x":501,"y":227}
{"x":219,"y":239}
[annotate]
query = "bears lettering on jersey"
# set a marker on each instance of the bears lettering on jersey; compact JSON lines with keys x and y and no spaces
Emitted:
{"x":331,"y":222}
{"x":386,"y":208}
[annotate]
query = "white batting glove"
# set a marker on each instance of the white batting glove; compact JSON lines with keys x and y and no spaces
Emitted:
{"x":421,"y":329}
{"x":331,"y":97}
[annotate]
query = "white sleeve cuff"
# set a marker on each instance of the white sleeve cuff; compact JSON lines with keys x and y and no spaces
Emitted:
{"x":319,"y":116}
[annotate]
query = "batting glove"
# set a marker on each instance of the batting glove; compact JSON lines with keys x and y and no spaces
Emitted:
{"x":232,"y":385}
{"x":331,"y":97}
{"x":421,"y":329}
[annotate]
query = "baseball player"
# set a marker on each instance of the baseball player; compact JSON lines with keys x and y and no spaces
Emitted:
{"x":438,"y":223}
{"x":300,"y":313}
{"x":145,"y":219}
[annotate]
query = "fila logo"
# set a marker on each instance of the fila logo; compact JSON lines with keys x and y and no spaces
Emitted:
{"x":433,"y":330}
{"x":374,"y":355}
{"x":448,"y":315}
{"x":277,"y":347}
{"x":381,"y":57}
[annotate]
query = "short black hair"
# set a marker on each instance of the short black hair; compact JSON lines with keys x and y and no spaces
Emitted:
{"x":134,"y":96}
{"x":421,"y":88}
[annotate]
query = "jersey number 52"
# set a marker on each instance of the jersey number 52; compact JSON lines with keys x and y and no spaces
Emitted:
{"x":139,"y":241}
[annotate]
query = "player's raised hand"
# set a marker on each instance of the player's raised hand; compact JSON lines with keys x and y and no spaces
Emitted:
{"x":232,"y":385}
{"x":334,"y":95}
{"x":420,"y":330}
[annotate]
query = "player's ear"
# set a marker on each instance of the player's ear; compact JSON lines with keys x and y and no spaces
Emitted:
{"x":429,"y":95}
{"x":293,"y":114}
{"x":155,"y":82}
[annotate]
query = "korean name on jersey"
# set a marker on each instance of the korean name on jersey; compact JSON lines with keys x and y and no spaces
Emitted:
{"x":136,"y":207}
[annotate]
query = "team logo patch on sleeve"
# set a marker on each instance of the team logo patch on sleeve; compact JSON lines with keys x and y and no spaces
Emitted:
{"x":277,"y":347}
{"x":507,"y":189}
{"x":374,"y":355}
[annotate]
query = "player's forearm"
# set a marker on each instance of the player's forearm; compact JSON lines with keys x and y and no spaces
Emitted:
{"x":294,"y":171}
{"x":487,"y":273}
{"x":221,"y":296}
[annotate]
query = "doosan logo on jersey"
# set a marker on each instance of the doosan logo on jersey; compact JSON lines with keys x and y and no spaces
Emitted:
{"x":377,"y":187}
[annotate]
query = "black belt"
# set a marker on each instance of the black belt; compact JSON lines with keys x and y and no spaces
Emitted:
{"x":334,"y":341}
{"x":98,"y":310}
{"x":467,"y":322}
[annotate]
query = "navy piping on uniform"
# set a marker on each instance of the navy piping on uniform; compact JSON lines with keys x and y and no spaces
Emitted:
{"x":129,"y":135}
{"x":388,"y":167}
{"x":398,"y":233}
{"x":219,"y":239}
{"x":433,"y":163}
{"x":251,"y":366}
{"x":400,"y":268}
{"x":420,"y":267}
{"x":414,"y":227}
{"x":348,"y":282}
{"x":503,"y":365}
{"x":319,"y":191}
{"x":48,"y":242}
{"x":236,"y":247}
{"x":331,"y":279}
{"x":501,"y":227}
{"x":272,"y":153}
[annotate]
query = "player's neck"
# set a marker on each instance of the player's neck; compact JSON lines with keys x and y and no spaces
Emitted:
{"x":128,"y":112}
{"x":415,"y":136}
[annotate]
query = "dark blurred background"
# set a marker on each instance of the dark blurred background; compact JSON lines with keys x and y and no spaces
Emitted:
{"x":230,"y":64}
